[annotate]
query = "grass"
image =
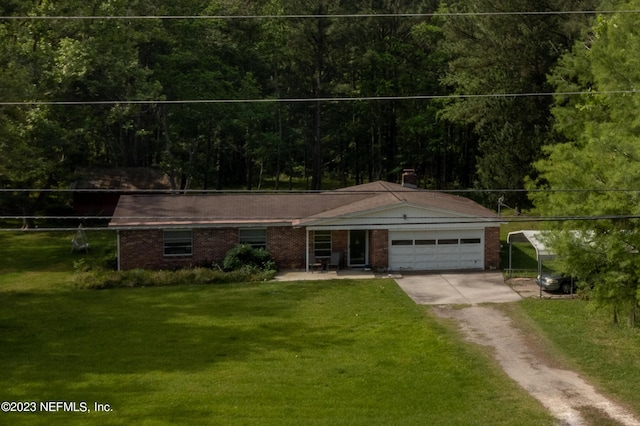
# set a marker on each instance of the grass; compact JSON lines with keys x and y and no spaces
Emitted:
{"x":44,"y":261}
{"x":523,"y":259}
{"x":523,"y":256}
{"x":341,"y":352}
{"x":279,"y":353}
{"x":586,"y":339}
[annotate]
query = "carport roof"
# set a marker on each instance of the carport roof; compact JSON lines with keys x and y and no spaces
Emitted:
{"x":536,"y":239}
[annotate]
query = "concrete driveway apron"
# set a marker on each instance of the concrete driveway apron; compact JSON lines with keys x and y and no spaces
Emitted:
{"x":457,"y":288}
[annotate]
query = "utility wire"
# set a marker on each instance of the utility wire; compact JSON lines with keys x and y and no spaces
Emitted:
{"x":426,"y":219}
{"x":330,"y":99}
{"x":319,"y":191}
{"x":325,"y":16}
{"x":440,"y":221}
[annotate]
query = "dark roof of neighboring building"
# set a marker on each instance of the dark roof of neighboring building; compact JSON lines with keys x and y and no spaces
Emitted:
{"x":282,"y":208}
{"x":126,"y":178}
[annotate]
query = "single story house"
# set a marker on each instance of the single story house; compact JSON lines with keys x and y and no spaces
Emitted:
{"x":381,"y":225}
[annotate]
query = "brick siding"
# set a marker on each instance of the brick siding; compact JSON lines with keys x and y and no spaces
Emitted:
{"x":144,"y":248}
{"x":379,"y":249}
{"x":287,"y":246}
{"x":140,"y":249}
{"x":340,"y":244}
{"x":491,"y":248}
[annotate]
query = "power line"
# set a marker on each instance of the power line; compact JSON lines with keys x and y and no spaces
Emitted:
{"x":323,"y":16}
{"x":427,"y":219}
{"x":326,"y":99}
{"x":430,"y":222}
{"x":318,"y":192}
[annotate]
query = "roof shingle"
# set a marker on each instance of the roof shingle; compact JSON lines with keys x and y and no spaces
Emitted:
{"x":284,"y":209}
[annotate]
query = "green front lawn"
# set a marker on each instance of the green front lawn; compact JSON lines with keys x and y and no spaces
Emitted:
{"x":343,"y":352}
{"x":355,"y":352}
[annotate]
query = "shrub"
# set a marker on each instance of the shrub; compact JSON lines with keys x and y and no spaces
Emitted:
{"x":105,"y":259}
{"x":243,"y":263}
{"x":245,"y":256}
{"x":81,"y":265}
{"x":101,"y":279}
{"x":110,"y":260}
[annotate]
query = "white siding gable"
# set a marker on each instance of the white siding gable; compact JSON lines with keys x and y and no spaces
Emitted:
{"x":403,"y":216}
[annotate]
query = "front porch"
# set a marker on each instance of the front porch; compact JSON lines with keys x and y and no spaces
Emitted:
{"x":358,"y":248}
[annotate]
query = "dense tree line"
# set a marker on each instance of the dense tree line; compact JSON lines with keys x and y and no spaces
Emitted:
{"x":485,"y":142}
{"x":591,"y":178}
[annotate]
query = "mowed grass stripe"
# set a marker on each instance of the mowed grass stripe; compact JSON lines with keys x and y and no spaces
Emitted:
{"x":342,"y":352}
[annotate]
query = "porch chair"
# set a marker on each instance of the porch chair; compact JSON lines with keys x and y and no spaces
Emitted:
{"x":335,"y":261}
{"x":314,"y":263}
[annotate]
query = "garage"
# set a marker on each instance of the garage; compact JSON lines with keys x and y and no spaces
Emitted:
{"x":436,"y":250}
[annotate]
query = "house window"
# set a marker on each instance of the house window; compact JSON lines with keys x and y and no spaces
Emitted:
{"x":322,"y":243}
{"x":447,"y":242}
{"x":402,"y":242}
{"x":256,"y":238}
{"x":470,"y":241}
{"x":178,"y":242}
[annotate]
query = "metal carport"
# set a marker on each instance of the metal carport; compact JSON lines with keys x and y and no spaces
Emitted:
{"x":536,"y":239}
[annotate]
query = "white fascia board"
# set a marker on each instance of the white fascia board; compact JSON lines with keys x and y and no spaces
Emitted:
{"x":403,"y":226}
{"x":405,"y":215}
{"x":193,"y":225}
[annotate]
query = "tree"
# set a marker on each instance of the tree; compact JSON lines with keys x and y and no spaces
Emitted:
{"x":72,"y":61}
{"x":29,"y":159}
{"x":399,"y":59}
{"x":228,"y":144}
{"x":595,"y":174}
{"x":310,"y":67}
{"x":505,"y":54}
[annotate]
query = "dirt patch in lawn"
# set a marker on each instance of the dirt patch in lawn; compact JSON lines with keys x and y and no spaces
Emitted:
{"x":564,"y":393}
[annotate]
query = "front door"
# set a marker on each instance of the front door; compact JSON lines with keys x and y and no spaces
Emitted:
{"x":357,"y":248}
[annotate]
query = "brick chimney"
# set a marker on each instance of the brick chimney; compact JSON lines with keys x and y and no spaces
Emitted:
{"x":409,"y":178}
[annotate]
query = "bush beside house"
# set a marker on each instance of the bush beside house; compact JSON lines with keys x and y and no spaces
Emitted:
{"x":242,"y":263}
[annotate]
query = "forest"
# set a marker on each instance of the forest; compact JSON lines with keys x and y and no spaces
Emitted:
{"x":224,"y":94}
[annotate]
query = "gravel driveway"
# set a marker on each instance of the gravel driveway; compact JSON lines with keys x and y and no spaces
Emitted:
{"x":564,"y":393}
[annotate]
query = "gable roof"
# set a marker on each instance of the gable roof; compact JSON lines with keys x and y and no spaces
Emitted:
{"x":387,"y":193}
{"x":284,"y":209}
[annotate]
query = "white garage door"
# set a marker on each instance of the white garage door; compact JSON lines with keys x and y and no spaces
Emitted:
{"x":436,"y":250}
